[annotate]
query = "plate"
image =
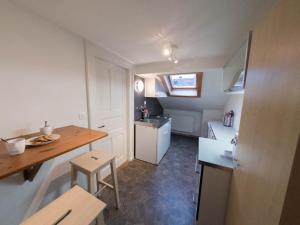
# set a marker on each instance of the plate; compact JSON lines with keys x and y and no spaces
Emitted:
{"x":53,"y":136}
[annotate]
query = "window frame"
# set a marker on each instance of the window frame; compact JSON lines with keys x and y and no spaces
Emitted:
{"x":182,"y":88}
{"x":175,"y":92}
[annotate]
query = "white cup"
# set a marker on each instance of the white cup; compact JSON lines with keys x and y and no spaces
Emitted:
{"x":15,"y":146}
{"x":46,"y":130}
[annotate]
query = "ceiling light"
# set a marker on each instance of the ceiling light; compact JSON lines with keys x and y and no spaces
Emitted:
{"x":170,"y":53}
{"x":167,"y":51}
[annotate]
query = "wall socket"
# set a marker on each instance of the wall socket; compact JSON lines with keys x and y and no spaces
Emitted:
{"x":82,"y":116}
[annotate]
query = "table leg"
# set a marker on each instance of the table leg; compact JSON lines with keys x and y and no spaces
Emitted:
{"x":98,"y":178}
{"x":100,"y":219}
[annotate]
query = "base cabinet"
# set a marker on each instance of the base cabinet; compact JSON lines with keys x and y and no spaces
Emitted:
{"x":151,"y":144}
{"x":212,"y":195}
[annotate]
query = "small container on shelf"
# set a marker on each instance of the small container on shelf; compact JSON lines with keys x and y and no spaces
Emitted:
{"x":47,"y":129}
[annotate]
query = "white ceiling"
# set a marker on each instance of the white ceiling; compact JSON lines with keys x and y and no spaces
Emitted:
{"x":137,"y":30}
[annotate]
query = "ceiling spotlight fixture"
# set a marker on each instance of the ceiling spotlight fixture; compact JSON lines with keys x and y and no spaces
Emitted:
{"x":170,"y":52}
{"x":167,"y":51}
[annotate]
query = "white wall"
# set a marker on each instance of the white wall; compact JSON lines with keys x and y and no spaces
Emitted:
{"x":42,"y":77}
{"x":185,"y":122}
{"x":235,"y":103}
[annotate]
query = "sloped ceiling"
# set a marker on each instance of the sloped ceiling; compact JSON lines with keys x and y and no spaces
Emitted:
{"x":212,"y":96}
{"x":137,"y":30}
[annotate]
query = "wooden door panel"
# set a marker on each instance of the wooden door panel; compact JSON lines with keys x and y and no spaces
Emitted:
{"x":270,"y":121}
{"x":118,"y":147}
{"x":117,"y":100}
{"x":107,"y":87}
{"x":102,"y":86}
{"x":105,"y":145}
{"x":111,"y":124}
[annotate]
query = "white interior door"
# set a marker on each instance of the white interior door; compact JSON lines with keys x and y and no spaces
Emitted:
{"x":107,"y":87}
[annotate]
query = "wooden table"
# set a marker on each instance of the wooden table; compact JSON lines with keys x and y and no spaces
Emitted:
{"x":72,"y":137}
{"x":75,"y":207}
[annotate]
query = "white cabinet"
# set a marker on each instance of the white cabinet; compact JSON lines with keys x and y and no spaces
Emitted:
{"x":163,"y":140}
{"x":154,"y":88}
{"x":151,"y":143}
{"x":235,"y":70}
{"x":213,"y":175}
{"x":145,"y":143}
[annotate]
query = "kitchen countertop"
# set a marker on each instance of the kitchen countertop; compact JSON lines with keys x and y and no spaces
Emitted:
{"x":211,"y":153}
{"x":153,"y":122}
{"x":221,"y":132}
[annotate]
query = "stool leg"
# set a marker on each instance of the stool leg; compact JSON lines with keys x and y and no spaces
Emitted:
{"x":73,"y":176}
{"x":90,"y":183}
{"x":98,"y":178}
{"x":100,"y":219}
{"x":115,"y":181}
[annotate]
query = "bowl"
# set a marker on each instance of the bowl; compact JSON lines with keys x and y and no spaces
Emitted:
{"x":15,"y":146}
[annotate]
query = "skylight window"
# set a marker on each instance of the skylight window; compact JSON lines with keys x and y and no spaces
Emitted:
{"x":186,"y":81}
{"x":183,"y":84}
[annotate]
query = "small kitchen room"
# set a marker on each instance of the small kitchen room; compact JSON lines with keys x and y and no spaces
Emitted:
{"x":170,"y":127}
{"x":50,"y":68}
{"x":214,"y":110}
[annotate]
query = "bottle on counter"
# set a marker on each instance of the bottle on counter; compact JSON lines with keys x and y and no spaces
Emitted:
{"x":228,"y":119}
{"x":231,"y":118}
{"x":234,"y":142}
{"x":145,"y":111}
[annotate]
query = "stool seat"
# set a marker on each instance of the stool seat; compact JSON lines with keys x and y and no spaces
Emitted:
{"x":75,"y":207}
{"x":90,"y":162}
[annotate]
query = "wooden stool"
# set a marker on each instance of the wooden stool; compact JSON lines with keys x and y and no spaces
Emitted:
{"x":90,"y":164}
{"x":75,"y":207}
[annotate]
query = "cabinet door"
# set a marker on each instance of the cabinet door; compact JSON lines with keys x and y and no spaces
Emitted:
{"x":163,"y":142}
{"x":150,"y":87}
{"x":145,"y":143}
{"x":168,"y":136}
{"x":154,"y":88}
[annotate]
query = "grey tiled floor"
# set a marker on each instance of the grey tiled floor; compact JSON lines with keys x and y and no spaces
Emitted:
{"x":156,"y":195}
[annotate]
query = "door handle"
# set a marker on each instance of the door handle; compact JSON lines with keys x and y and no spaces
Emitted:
{"x":236,"y":164}
{"x":101,"y":126}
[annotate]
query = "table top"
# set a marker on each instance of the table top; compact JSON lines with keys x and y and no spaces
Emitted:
{"x":211,"y":153}
{"x":72,"y":137}
{"x":83,"y":208}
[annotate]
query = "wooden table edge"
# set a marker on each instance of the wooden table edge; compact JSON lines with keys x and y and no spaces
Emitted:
{"x":105,"y":134}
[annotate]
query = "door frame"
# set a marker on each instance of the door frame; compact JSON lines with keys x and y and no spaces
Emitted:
{"x":91,"y":51}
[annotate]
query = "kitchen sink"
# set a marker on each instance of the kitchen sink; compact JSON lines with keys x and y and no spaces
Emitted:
{"x":150,"y":120}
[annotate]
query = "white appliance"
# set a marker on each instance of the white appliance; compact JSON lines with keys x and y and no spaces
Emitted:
{"x":152,"y":143}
